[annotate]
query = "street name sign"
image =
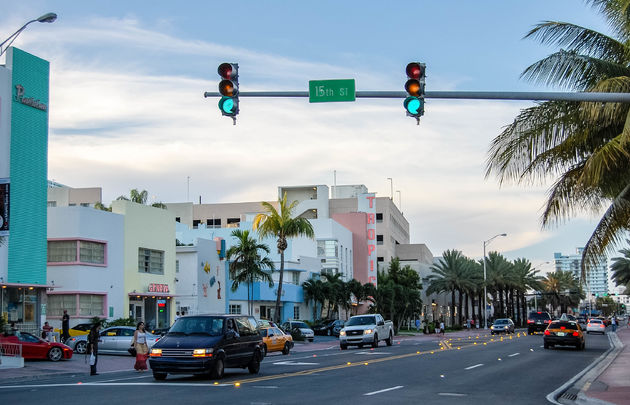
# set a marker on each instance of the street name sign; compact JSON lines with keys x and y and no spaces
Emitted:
{"x":324,"y":91}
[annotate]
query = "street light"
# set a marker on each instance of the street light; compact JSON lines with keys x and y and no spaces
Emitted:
{"x":391,"y":185}
{"x":46,"y":18}
{"x":485,"y":293}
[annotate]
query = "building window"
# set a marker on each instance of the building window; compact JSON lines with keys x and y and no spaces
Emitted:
{"x":84,"y":305}
{"x":196,"y":223}
{"x":296,"y":278}
{"x":379,"y":217}
{"x":64,"y":252}
{"x":178,"y":219}
{"x":235,"y":309}
{"x":214,"y":223}
{"x":72,"y":205}
{"x":176,"y":266}
{"x":85,"y":204}
{"x":296,"y":312}
{"x":233,"y":222}
{"x":380,"y":259}
{"x":52,"y":204}
{"x":379,"y":239}
{"x":150,"y":261}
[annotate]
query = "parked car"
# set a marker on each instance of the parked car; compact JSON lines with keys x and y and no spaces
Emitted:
{"x":34,"y":347}
{"x":596,"y":325}
{"x":366,"y":329}
{"x":502,"y":325}
{"x":113,"y":340}
{"x":275,"y":340}
{"x":300,"y":327}
{"x":207,"y":344}
{"x":329,"y":328}
{"x":537,"y":321}
{"x":77,"y":330}
{"x":564,"y":333}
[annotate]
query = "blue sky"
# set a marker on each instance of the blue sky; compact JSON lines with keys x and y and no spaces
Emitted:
{"x":127,"y":110}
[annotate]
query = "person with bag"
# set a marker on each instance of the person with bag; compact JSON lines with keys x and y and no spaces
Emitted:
{"x":139,"y":344}
{"x":92,"y":347}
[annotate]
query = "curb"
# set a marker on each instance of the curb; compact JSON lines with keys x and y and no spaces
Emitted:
{"x":578,"y":383}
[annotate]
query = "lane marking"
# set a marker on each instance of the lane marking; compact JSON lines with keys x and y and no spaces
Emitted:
{"x":451,"y":394}
{"x":475,"y":366}
{"x":384,"y":390}
{"x":294,"y":363}
{"x":371,"y":353}
{"x":515,"y":354}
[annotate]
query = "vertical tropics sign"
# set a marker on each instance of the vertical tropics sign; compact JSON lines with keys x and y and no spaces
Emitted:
{"x":367,"y":204}
{"x":4,"y":207}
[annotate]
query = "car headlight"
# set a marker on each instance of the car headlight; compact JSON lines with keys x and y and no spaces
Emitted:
{"x":492,"y":327}
{"x":367,"y":331}
{"x":342,"y":333}
{"x":156,"y":352}
{"x":505,"y":327}
{"x":202,"y":352}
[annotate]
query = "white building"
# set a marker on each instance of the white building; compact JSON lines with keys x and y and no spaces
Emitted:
{"x":596,"y":278}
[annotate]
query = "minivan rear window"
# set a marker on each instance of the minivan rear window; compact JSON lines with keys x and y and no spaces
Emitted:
{"x":198,"y":325}
{"x":539,"y":316}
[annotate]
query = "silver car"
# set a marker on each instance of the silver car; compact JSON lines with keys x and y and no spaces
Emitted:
{"x":113,"y":340}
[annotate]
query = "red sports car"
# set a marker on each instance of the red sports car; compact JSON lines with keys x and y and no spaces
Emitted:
{"x":36,"y":348}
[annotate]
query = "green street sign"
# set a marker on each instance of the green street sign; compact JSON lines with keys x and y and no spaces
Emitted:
{"x":324,"y":91}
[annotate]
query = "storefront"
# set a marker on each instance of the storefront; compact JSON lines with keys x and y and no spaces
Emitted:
{"x":23,"y":304}
{"x":153,"y":307}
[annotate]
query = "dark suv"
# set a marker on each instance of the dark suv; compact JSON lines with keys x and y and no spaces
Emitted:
{"x":206,"y":344}
{"x":537,"y":322}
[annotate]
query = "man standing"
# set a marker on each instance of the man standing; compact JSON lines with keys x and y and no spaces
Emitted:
{"x":65,"y":326}
{"x":92,"y":347}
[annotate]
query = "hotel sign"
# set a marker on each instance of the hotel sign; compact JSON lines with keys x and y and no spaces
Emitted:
{"x":367,"y":204}
{"x":4,"y":207}
{"x":30,"y":101}
{"x":158,"y":288}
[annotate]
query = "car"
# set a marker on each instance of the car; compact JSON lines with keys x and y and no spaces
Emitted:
{"x":265,"y":323}
{"x":329,"y":328}
{"x":596,"y":325}
{"x":76,"y":330}
{"x":112,"y":340}
{"x":537,"y":321}
{"x":564,"y":333}
{"x":275,"y":340}
{"x":206,"y":345}
{"x":34,"y":347}
{"x":299,"y":327}
{"x":502,"y":325}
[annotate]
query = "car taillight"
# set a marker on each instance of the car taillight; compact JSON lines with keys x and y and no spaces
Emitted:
{"x":530,"y":321}
{"x":602,"y":325}
{"x":547,"y":332}
{"x":547,"y":320}
{"x":576,"y":334}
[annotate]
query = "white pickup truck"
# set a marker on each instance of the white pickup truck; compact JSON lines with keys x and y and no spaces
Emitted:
{"x":366,"y":330}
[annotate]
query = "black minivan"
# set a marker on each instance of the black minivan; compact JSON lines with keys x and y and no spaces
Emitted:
{"x":207,"y":344}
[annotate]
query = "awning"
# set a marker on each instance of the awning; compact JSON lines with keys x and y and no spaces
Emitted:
{"x":151,"y":295}
{"x":25,"y":285}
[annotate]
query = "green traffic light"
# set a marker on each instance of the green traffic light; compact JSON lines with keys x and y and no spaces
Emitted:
{"x":228,"y":106}
{"x":413,"y":105}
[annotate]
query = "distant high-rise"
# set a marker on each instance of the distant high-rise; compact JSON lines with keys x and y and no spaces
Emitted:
{"x":596,"y":277}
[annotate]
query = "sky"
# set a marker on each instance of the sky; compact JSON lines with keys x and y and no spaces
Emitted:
{"x":127,"y":107}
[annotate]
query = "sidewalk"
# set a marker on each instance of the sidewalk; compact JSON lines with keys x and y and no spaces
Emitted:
{"x":613,"y":384}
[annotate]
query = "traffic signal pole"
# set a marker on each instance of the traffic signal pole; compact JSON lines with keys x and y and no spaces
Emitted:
{"x":463,"y":95}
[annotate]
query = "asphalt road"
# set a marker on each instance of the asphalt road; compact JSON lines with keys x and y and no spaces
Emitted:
{"x":468,"y":371}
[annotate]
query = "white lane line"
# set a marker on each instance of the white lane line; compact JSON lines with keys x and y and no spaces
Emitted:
{"x":265,"y":386}
{"x":451,"y":394}
{"x":294,"y":363}
{"x":94,"y":384}
{"x":385,"y":390}
{"x":372,"y":353}
{"x":514,"y":354}
{"x":475,"y":366}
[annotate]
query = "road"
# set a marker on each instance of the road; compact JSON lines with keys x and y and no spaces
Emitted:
{"x":472,"y":370}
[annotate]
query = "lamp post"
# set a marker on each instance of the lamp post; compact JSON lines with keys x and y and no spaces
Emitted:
{"x":391,"y":186}
{"x":485,"y":293}
{"x":46,"y":18}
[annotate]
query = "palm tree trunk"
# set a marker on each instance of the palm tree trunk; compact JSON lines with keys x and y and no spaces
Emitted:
{"x":459,"y":308}
{"x":277,"y":314}
{"x":501,"y":313}
{"x":479,"y":305}
{"x":467,"y":313}
{"x":452,"y":307}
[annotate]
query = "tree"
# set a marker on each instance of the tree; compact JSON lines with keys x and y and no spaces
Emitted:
{"x":281,"y":225}
{"x":314,"y":291}
{"x":139,"y":197}
{"x":247,"y":265}
{"x":100,"y":206}
{"x":562,"y":289}
{"x":584,"y":146}
{"x":449,"y":276}
{"x":621,"y":269}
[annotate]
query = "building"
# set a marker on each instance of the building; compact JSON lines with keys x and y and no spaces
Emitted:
{"x":60,"y":195}
{"x":596,"y":277}
{"x":24,"y":87}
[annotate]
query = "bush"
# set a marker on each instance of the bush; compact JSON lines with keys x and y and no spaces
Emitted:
{"x":121,"y":322}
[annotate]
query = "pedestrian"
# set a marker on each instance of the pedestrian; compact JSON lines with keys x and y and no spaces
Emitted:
{"x":47,"y":331}
{"x":437,"y":328}
{"x":139,"y":343}
{"x":92,"y":347}
{"x":14,"y":329}
{"x":613,"y":322}
{"x":177,"y":315}
{"x":472,"y":323}
{"x":65,"y":326}
{"x":442,"y":327}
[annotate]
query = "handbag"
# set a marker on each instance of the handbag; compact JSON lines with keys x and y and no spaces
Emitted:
{"x":92,"y":359}
{"x":132,"y":351}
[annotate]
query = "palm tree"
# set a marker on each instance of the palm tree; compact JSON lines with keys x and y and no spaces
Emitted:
{"x":314,"y":291}
{"x":526,"y":279}
{"x":281,"y":225}
{"x":497,"y":279}
{"x":448,"y":275}
{"x":584,"y":146}
{"x":562,"y":289}
{"x":247,"y":265}
{"x":621,"y":269}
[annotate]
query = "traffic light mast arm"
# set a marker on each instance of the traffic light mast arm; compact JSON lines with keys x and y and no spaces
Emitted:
{"x":470,"y":95}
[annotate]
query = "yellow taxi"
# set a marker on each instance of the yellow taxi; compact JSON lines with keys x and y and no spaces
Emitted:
{"x":77,"y":330}
{"x":275,"y":340}
{"x":564,"y":333}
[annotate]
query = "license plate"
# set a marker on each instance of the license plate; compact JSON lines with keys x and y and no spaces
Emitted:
{"x":560,"y":333}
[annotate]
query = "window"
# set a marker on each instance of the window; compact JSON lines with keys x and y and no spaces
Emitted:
{"x":178,"y":219}
{"x":196,"y":223}
{"x":235,"y":309}
{"x":244,"y":327}
{"x":214,"y":223}
{"x":85,"y":204}
{"x":379,"y":217}
{"x":89,"y":305}
{"x":296,"y":312}
{"x":176,"y":266}
{"x":52,"y":204}
{"x":72,"y":205}
{"x":296,"y":278}
{"x":379,"y":239}
{"x":380,"y":259}
{"x":76,"y":252}
{"x":150,"y":261}
{"x":233,"y":222}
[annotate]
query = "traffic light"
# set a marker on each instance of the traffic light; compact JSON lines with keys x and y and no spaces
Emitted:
{"x":228,"y":87}
{"x":414,"y":103}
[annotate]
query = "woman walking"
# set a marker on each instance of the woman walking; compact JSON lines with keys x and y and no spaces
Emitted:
{"x":142,"y":349}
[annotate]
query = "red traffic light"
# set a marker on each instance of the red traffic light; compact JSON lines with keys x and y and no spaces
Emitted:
{"x":228,"y":71}
{"x":415,"y":70}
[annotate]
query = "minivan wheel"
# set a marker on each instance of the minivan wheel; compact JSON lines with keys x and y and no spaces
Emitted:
{"x":159,"y":376}
{"x":254,"y":365}
{"x":218,"y":369}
